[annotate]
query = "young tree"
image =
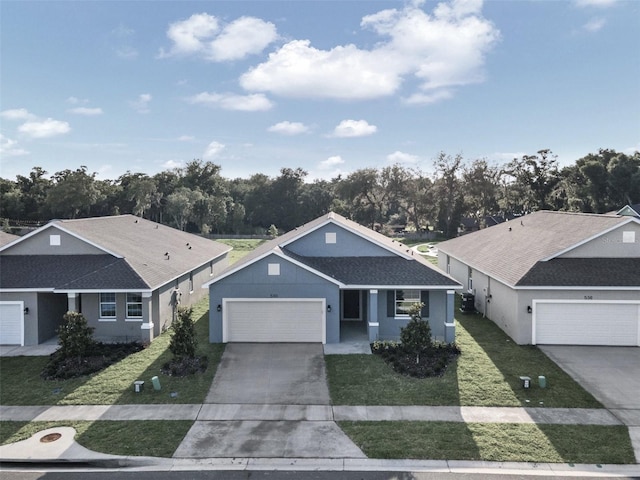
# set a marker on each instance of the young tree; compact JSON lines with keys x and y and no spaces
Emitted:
{"x":183,"y":342}
{"x":416,"y":335}
{"x":75,"y":336}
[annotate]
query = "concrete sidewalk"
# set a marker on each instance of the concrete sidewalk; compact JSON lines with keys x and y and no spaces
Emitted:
{"x":312,"y":413}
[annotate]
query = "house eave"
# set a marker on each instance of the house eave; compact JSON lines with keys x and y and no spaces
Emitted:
{"x":403,"y":287}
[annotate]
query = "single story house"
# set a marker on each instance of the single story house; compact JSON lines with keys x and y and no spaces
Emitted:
{"x":125,"y":274}
{"x":554,"y":277}
{"x":326,"y":281}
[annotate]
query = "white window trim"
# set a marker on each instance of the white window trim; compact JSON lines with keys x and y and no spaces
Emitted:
{"x":103,"y":318}
{"x":403,"y":316}
{"x":54,"y":240}
{"x":129,"y":318}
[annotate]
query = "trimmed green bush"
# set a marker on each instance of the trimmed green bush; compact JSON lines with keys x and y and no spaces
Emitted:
{"x":75,"y":336}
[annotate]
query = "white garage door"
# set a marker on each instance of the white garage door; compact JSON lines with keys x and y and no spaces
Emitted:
{"x":11,"y":323}
{"x":586,"y":323}
{"x":273,"y":320}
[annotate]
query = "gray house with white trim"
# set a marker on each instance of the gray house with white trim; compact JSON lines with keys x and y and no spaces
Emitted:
{"x":329,"y":275}
{"x":127,"y":275}
{"x":554,"y":277}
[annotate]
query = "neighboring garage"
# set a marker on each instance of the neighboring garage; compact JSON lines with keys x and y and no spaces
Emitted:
{"x":588,"y":322}
{"x":11,"y":323}
{"x":273,"y":320}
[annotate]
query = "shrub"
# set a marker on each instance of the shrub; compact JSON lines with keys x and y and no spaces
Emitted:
{"x":75,"y":336}
{"x":416,"y":335}
{"x":183,"y":341}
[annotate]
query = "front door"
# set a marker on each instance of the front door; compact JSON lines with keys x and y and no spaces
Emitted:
{"x":351,"y":305}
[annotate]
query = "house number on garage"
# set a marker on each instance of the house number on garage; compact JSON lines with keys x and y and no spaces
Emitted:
{"x":588,"y":297}
{"x":274,"y":295}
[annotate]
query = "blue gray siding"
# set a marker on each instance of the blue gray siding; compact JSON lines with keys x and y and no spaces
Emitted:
{"x":347,"y":244}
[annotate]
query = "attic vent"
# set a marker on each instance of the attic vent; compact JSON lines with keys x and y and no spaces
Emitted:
{"x":629,"y":237}
{"x":54,"y":240}
{"x":330,"y":237}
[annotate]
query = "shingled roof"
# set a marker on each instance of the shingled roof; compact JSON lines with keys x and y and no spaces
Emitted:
{"x":155,"y":253}
{"x":509,"y":250}
{"x":403,"y":268}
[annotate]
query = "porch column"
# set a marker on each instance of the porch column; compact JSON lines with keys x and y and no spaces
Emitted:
{"x":373,"y":324}
{"x":146,"y":329}
{"x":449,"y":322}
{"x":72,"y":302}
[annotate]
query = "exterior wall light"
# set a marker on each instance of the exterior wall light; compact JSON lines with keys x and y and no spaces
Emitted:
{"x":529,"y":310}
{"x":219,"y":308}
{"x":26,"y":310}
{"x":329,"y":308}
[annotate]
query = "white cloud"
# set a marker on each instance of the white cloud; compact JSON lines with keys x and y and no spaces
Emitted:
{"x":401,"y":157}
{"x":186,"y":138}
{"x":422,"y":98}
{"x":441,"y":50}
{"x":288,"y":128}
{"x":595,"y":3}
{"x":353,"y":128}
{"x":141,"y":105}
{"x":86,"y":111}
{"x":213,"y":149}
{"x":230,"y":101}
{"x":202,"y":35}
{"x":44,"y":128}
{"x":17,"y":114}
{"x":171,"y":164}
{"x":594,"y":25}
{"x":77,"y":101}
{"x":10,"y":148}
{"x":331,"y":162}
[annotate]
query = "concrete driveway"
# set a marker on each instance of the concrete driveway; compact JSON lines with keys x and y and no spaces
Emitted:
{"x":268,"y":401}
{"x":271,"y":373}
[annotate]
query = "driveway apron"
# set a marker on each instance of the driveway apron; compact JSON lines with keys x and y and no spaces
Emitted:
{"x":268,"y":401}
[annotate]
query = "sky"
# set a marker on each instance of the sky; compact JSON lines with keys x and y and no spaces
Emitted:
{"x":328,"y":86}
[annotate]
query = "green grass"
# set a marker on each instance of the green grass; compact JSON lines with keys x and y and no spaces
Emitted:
{"x":141,"y":438}
{"x":485,"y":374}
{"x":492,"y":442}
{"x":241,"y":247}
{"x":22,"y":385}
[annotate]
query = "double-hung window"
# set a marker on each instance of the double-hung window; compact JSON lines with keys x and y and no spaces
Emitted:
{"x":134,"y":305}
{"x":108,"y":306}
{"x":405,"y":300}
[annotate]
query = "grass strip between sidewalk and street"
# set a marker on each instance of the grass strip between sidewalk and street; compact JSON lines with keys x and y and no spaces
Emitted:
{"x":22,"y":384}
{"x":487,"y":373}
{"x":492,"y":442}
{"x":153,"y":438}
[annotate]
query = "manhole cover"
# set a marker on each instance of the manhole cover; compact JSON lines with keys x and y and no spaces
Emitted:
{"x":52,"y":437}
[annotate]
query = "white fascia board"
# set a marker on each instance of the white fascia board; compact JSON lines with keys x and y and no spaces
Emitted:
{"x":347,"y":228}
{"x":550,"y":287}
{"x":27,"y":290}
{"x":400,"y":287}
{"x":24,"y":237}
{"x":309,"y":269}
{"x":102,"y":290}
{"x":586,"y":240}
{"x":237,"y":269}
{"x":99,"y":247}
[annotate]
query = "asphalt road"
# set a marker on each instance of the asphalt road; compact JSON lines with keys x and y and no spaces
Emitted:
{"x":79,"y":474}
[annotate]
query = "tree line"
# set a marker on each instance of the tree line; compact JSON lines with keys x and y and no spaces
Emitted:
{"x":198,"y":198}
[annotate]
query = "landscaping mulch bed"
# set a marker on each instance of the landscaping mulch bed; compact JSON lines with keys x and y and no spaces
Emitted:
{"x":102,"y":356}
{"x":185,"y":366}
{"x":432,"y":362}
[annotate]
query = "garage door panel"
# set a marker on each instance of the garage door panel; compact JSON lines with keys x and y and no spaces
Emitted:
{"x":11,"y":323}
{"x":587,"y":323}
{"x":283,"y":320}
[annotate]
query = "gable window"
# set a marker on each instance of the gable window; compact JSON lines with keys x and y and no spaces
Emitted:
{"x":108,"y":305}
{"x":274,"y":269}
{"x":54,"y":240}
{"x":134,"y":305}
{"x":330,"y":237}
{"x":629,"y":237}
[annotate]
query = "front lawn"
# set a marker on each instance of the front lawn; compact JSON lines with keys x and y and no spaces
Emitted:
{"x":487,"y":373}
{"x":22,"y":384}
{"x":154,"y":438}
{"x":492,"y":442}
